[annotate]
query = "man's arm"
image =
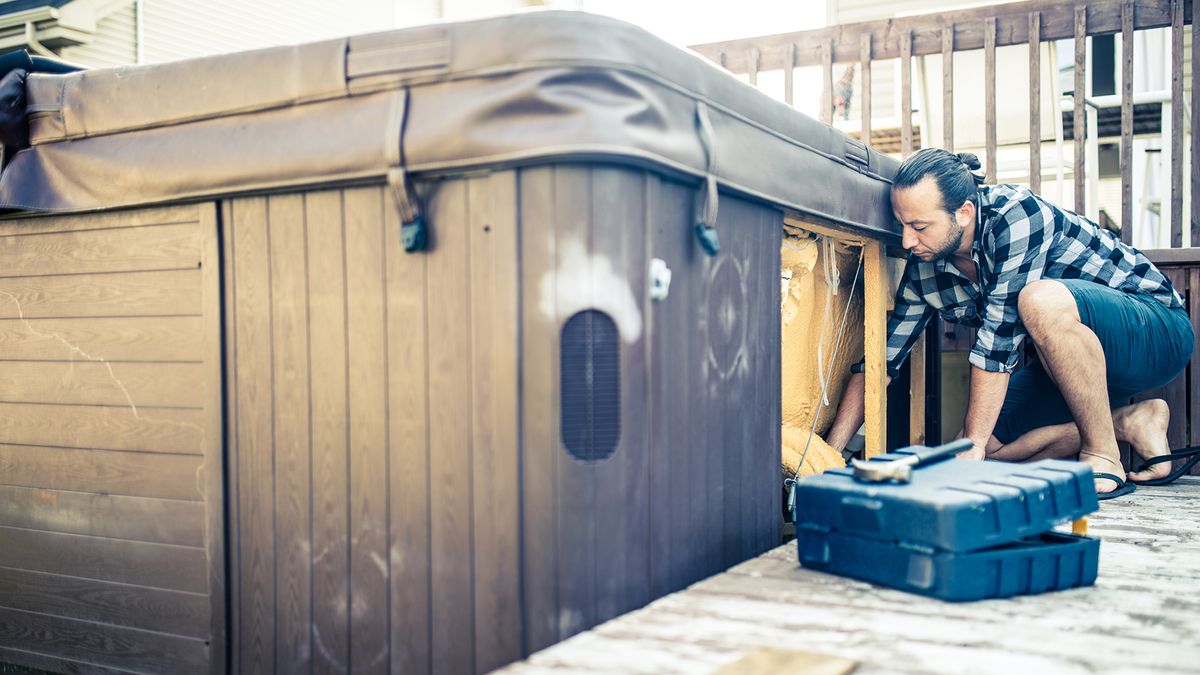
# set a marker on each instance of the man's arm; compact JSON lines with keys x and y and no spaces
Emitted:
{"x":983,"y":409}
{"x":850,"y":412}
{"x":908,"y":319}
{"x":1020,"y":244}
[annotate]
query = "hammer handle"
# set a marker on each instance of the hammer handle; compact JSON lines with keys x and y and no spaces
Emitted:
{"x":925,"y":455}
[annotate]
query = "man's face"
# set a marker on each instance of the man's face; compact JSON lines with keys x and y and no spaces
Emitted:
{"x":929,"y":233}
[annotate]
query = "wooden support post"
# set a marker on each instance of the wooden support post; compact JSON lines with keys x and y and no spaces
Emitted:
{"x":875,"y":294}
{"x":1035,"y":101}
{"x":906,"y":130}
{"x":916,"y":393}
{"x":1177,"y":124}
{"x":948,"y":87}
{"x":1127,"y":121}
{"x":1080,"y":116}
{"x":989,"y":99}
{"x":752,"y":59}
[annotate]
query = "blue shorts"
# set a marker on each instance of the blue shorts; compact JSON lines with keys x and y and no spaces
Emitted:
{"x":1146,"y":344}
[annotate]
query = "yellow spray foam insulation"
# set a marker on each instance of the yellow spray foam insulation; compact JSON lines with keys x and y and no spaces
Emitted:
{"x":810,"y":320}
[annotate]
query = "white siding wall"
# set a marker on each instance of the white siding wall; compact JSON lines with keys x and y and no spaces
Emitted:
{"x":114,"y":42}
{"x":177,"y":29}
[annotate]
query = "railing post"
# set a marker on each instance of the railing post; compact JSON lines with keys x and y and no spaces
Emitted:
{"x":906,"y":128}
{"x":865,"y":61}
{"x":1035,"y":102}
{"x":789,"y":72}
{"x":948,"y":87}
{"x":1195,"y":195}
{"x":1080,"y":118}
{"x":827,"y":73}
{"x":989,"y":98}
{"x":1127,"y":121}
{"x":1177,"y":124}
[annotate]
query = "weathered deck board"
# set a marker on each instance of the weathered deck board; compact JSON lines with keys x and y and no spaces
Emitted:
{"x":1139,"y":617}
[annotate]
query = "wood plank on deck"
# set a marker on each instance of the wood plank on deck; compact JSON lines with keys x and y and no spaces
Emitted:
{"x":1140,"y":615}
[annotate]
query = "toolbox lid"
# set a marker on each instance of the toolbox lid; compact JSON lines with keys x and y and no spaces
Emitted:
{"x":432,"y":101}
{"x":953,"y":505}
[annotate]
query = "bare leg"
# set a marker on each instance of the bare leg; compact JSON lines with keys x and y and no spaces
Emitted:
{"x":1072,"y":353}
{"x":1143,"y":425}
{"x":1058,"y":441}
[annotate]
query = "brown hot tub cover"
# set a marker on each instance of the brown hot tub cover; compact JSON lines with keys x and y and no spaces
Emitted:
{"x":435,"y":100}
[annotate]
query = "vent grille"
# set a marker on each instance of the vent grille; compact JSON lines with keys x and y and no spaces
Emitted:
{"x":590,"y":390}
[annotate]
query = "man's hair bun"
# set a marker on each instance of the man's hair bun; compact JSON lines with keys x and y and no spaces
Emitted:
{"x":970,"y":160}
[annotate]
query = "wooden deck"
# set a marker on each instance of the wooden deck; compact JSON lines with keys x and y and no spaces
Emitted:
{"x":1143,"y":614}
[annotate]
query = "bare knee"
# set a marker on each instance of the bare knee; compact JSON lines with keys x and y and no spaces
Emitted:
{"x":1044,"y":306}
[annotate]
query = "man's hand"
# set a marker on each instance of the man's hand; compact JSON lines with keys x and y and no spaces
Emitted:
{"x":983,"y":408}
{"x":978,"y":451}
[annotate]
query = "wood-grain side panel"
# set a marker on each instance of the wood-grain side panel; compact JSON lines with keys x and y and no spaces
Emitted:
{"x":174,"y":338}
{"x":289,"y":372}
{"x":166,"y":611}
{"x":366,"y":370}
{"x":100,"y":471}
{"x":539,"y":414}
{"x":163,"y":521}
{"x":495,"y":480}
{"x":160,"y":430}
{"x":330,"y":473}
{"x":451,"y":412}
{"x":144,"y":385}
{"x":110,"y":646}
{"x":618,"y":221}
{"x":409,"y":555}
{"x":154,"y":293}
{"x":171,"y":567}
{"x":254,"y":414}
{"x":125,"y":249}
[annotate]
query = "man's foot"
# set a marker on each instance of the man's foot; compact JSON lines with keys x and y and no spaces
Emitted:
{"x":1144,"y":426}
{"x":1104,"y":462}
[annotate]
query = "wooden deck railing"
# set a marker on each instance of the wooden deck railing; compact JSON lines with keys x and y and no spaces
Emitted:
{"x":989,"y":28}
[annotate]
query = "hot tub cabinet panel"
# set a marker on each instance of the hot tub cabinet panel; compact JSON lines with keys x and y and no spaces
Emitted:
{"x":402,"y":487}
{"x":111,"y":500}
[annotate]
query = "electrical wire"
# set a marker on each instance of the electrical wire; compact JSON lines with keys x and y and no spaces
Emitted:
{"x":832,"y":358}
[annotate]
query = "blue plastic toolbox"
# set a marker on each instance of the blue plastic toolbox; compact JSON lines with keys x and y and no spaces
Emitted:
{"x":960,"y":530}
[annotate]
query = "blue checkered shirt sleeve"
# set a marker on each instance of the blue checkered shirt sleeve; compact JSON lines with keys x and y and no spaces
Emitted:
{"x":1019,"y":246}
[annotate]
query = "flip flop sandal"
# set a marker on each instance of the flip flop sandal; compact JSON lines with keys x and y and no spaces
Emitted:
{"x":1193,"y":452}
{"x":1123,"y":487}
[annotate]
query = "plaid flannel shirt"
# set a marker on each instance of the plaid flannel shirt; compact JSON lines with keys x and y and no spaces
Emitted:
{"x":1019,"y":238}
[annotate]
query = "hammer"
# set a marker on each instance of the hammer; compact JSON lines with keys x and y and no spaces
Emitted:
{"x":900,"y":470}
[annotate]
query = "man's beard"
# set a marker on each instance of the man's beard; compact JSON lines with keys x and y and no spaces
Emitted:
{"x":949,"y":247}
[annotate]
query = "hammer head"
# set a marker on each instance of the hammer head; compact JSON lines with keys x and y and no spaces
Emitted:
{"x":882,"y":472}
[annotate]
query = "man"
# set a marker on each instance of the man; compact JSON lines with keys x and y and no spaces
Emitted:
{"x":1105,"y":323}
